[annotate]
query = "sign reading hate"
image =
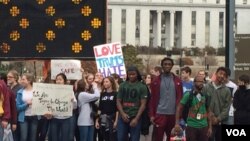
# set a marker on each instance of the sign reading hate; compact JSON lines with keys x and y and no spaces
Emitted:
{"x":71,"y":68}
{"x":109,"y":59}
{"x":52,"y":98}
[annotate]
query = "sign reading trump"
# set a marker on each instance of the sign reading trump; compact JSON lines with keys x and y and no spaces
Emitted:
{"x":109,"y":59}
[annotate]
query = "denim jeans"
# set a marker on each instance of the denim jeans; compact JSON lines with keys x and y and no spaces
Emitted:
{"x":72,"y":123}
{"x":76,"y":130}
{"x":28,"y":128}
{"x":42,"y":129}
{"x":86,"y":133}
{"x":60,"y":129}
{"x":123,"y":129}
{"x":16,"y":133}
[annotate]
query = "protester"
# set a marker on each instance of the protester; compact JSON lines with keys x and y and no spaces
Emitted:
{"x":131,"y":102}
{"x":241,"y":101}
{"x":166,"y":93}
{"x":199,"y":127}
{"x":60,"y":125}
{"x":107,"y":120}
{"x":13,"y":112}
{"x":27,"y":121}
{"x":5,"y":113}
{"x":220,"y":100}
{"x":12,"y":81}
{"x":86,"y":116}
{"x":187,"y":83}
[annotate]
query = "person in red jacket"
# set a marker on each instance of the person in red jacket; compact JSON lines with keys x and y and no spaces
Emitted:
{"x":166,"y":93}
{"x":4,"y":107}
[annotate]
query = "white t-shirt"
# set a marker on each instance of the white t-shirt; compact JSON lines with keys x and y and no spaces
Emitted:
{"x":27,"y":96}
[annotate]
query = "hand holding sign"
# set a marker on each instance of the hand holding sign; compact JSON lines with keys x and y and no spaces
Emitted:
{"x":52,"y":98}
{"x":109,"y":59}
{"x":48,"y":115}
{"x":29,"y":102}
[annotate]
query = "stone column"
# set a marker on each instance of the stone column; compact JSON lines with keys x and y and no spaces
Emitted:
{"x":171,"y":34}
{"x":159,"y":28}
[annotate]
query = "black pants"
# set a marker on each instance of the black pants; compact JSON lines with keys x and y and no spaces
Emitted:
{"x":110,"y":135}
{"x":216,"y":133}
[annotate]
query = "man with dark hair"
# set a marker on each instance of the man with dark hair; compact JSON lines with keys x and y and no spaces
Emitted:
{"x":198,"y":124}
{"x":219,"y":102}
{"x":131,"y":102}
{"x":166,"y":93}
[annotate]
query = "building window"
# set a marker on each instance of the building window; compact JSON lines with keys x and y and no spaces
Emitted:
{"x":217,"y":1}
{"x":207,"y":28}
{"x":193,"y":29}
{"x":193,"y":17}
{"x":244,"y":1}
{"x":123,"y":29}
{"x":235,"y":22}
{"x":109,"y":27}
{"x":221,"y":29}
{"x":163,"y":22}
{"x":151,"y":22}
{"x":137,"y":24}
{"x":176,"y":30}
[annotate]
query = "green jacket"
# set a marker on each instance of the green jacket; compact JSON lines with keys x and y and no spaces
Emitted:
{"x":219,"y":100}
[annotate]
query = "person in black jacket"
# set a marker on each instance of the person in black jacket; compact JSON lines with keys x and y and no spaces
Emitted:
{"x":241,"y":101}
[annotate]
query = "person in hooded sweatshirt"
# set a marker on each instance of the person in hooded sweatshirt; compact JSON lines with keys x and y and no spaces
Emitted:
{"x":241,"y":101}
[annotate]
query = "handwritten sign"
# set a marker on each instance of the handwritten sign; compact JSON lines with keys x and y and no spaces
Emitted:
{"x":52,"y":98}
{"x":109,"y":59}
{"x":71,"y":68}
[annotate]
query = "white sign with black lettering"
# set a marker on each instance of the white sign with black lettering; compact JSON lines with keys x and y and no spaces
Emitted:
{"x":52,"y":98}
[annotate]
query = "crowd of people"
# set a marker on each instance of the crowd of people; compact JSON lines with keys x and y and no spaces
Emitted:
{"x":113,"y":109}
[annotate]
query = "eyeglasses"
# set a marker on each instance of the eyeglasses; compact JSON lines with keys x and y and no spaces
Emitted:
{"x":10,"y":76}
